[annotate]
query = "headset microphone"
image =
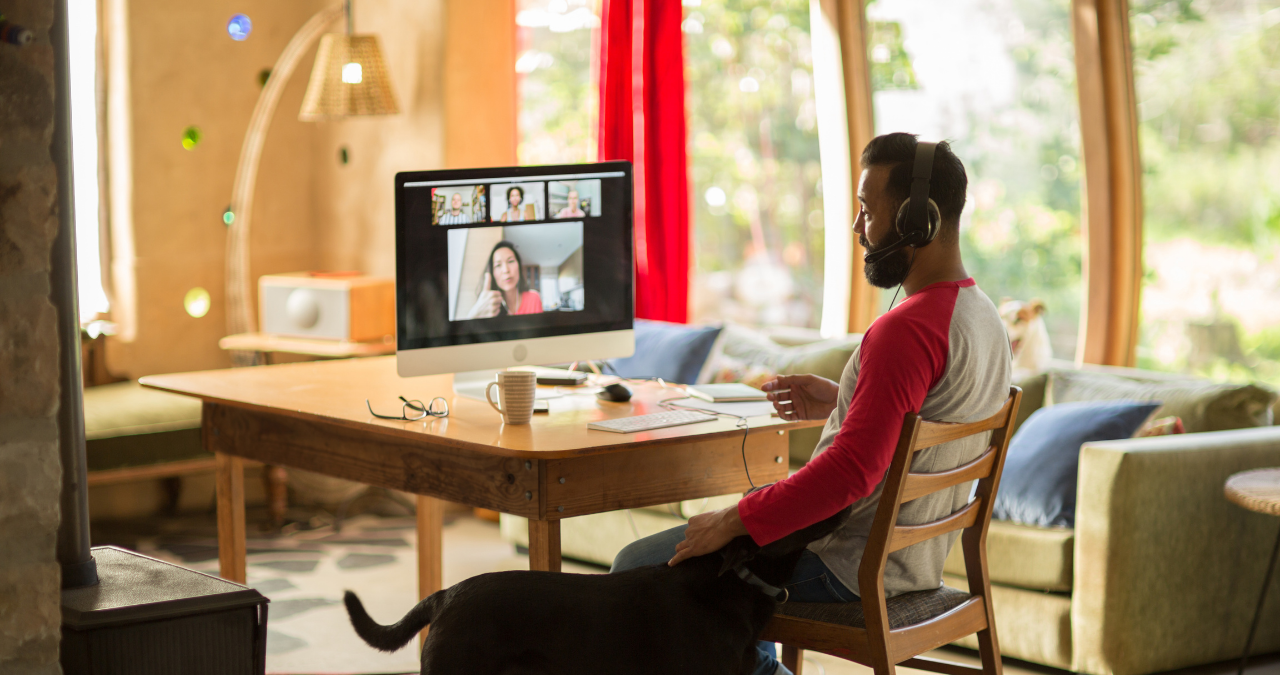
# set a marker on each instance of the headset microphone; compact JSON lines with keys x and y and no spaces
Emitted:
{"x":904,"y":241}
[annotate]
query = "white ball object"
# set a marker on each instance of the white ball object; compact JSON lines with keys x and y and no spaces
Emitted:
{"x":303,"y":308}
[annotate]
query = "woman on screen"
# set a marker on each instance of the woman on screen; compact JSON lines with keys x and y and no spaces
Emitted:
{"x":517,"y":211}
{"x":505,"y":289}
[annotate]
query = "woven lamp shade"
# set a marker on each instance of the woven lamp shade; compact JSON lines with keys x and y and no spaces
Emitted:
{"x":340,"y":89}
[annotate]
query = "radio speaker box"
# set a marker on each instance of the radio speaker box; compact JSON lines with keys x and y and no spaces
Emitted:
{"x":322,"y":305}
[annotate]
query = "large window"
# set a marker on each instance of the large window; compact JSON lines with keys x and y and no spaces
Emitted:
{"x":755,"y":176}
{"x":1208,"y":85}
{"x":82,"y":28}
{"x":997,"y":79}
{"x":557,"y":58}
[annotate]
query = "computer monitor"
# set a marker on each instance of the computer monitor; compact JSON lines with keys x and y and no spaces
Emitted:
{"x":501,"y":267}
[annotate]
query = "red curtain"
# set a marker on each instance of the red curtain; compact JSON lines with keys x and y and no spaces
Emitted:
{"x":642,"y":120}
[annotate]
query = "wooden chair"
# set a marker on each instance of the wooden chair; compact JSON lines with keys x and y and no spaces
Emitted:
{"x":880,"y":633}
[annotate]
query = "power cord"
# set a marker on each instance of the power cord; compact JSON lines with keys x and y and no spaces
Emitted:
{"x":670,"y":404}
{"x":904,"y":279}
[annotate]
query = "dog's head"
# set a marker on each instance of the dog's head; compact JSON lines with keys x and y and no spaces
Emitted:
{"x":782,"y":554}
{"x":1018,"y":316}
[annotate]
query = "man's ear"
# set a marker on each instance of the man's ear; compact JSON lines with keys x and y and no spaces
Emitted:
{"x":737,"y":552}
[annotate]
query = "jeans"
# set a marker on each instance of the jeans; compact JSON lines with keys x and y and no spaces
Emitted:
{"x":811,"y":582}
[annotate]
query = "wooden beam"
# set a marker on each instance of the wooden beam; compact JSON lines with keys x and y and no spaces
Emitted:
{"x":851,"y":22}
{"x":1112,"y":208}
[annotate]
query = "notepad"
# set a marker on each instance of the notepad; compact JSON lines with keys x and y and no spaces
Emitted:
{"x":725,"y":393}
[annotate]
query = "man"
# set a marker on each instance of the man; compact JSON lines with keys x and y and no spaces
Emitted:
{"x":455,"y":216}
{"x":942,"y":353}
{"x":572,"y":210}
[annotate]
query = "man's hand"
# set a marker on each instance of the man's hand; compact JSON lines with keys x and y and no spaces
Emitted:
{"x":708,"y":533}
{"x":809,"y":397}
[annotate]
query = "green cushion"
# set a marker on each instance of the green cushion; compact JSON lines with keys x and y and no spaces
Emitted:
{"x":1033,"y":388}
{"x":127,"y":409}
{"x":127,"y":426}
{"x":739,"y":348}
{"x":1202,"y":405}
{"x":1031,"y":625}
{"x":1035,"y":558}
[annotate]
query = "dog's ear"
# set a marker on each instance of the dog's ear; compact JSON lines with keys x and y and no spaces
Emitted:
{"x":737,"y":552}
{"x":1036,"y":306}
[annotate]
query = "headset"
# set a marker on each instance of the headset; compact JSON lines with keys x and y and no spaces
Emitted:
{"x":918,"y":217}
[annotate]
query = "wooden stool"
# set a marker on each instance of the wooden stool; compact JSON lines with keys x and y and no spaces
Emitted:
{"x":1258,"y":491}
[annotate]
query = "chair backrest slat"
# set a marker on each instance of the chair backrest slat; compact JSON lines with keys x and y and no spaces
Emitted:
{"x":906,"y":535}
{"x":901,"y":485}
{"x":934,"y":433}
{"x":918,"y":485}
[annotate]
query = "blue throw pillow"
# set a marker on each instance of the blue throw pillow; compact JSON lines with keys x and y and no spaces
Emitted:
{"x":673,"y":351}
{"x":1038,"y":486}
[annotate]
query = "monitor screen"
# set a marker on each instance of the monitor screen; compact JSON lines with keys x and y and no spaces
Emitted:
{"x":496,"y":255}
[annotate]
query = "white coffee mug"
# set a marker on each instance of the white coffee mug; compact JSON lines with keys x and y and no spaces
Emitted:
{"x":515,"y":393}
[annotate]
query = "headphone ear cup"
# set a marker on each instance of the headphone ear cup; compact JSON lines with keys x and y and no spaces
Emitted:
{"x":922,"y":235}
{"x":934,"y":222}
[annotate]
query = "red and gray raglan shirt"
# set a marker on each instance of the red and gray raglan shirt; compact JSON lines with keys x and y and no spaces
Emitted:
{"x":942,"y":353}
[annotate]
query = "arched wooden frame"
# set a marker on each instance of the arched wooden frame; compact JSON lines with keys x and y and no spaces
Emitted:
{"x":1112,"y":208}
{"x":1112,"y":205}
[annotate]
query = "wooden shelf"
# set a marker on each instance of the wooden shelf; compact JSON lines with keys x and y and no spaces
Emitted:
{"x":334,"y":349}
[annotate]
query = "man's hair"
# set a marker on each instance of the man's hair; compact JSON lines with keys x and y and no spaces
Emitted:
{"x":947,"y":183}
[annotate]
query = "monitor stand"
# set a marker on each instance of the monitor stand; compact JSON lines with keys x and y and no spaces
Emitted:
{"x":473,"y":383}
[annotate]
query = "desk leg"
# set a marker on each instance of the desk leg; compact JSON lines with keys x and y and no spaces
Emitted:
{"x":430,"y":549}
{"x":544,"y":545}
{"x":231,"y":545}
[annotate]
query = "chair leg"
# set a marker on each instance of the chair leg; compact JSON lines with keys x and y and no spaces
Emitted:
{"x":989,"y":650}
{"x":793,"y":658}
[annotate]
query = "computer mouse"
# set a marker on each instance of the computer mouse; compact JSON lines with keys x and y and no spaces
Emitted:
{"x":616,"y":392}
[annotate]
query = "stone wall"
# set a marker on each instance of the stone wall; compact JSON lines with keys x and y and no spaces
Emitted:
{"x":29,"y":465}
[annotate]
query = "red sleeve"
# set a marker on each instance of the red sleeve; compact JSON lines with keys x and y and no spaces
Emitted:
{"x":903,"y":354}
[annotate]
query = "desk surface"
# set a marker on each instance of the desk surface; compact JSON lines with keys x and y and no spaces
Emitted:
{"x":335,"y":391}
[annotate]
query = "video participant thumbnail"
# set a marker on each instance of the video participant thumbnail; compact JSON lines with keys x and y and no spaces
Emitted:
{"x":459,"y":205}
{"x":574,"y":198}
{"x":513,"y":270}
{"x":519,"y":202}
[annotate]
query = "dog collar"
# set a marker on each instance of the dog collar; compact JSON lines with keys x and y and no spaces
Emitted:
{"x":779,"y":594}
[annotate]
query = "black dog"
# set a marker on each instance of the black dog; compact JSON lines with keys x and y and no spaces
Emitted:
{"x":691,"y":618}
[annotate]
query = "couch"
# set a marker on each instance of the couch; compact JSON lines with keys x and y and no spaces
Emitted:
{"x":1159,"y":571}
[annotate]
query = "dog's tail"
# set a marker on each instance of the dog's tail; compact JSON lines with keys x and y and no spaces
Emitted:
{"x":393,"y":637}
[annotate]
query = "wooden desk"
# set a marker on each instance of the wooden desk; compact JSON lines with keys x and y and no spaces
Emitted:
{"x":312,"y":416}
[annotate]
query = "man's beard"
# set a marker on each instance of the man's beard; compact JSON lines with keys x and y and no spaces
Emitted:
{"x":890,"y":271}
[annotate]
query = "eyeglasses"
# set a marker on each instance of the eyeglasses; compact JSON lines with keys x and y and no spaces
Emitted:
{"x":414,"y":410}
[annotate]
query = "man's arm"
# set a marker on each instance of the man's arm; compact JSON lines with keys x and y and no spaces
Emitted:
{"x":900,"y":360}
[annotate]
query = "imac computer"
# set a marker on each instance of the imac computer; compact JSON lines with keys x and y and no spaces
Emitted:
{"x":503,"y":267}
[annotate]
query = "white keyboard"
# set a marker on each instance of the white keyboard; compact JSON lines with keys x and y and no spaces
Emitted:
{"x":670,"y":418}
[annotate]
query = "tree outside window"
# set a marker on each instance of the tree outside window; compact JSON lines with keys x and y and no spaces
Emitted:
{"x":1005,"y":98}
{"x":754,"y":167}
{"x":1207,"y":75}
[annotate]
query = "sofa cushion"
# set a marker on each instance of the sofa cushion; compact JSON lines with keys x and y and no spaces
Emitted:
{"x":128,"y":425}
{"x":1033,"y":389}
{"x":672,"y":351}
{"x":1035,"y":558}
{"x":1202,"y":405}
{"x":741,"y":349}
{"x":128,"y":408}
{"x":1039,"y":482}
